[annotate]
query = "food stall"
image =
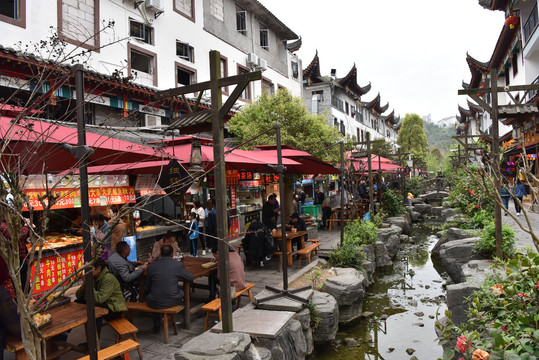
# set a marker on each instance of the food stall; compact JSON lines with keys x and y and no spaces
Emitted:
{"x":62,"y":251}
{"x":249,"y":198}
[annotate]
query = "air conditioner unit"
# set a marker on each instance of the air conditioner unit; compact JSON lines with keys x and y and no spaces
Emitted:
{"x":252,"y":59}
{"x":262,"y":64}
{"x":152,"y":120}
{"x":155,"y":5}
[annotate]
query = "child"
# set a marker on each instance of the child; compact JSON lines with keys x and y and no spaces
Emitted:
{"x":193,"y":233}
{"x":410,"y":198}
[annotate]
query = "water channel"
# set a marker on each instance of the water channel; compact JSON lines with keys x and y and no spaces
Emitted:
{"x":405,"y":303}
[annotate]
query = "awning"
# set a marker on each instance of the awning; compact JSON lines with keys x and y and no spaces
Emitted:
{"x":384,"y":167}
{"x":305,"y":163}
{"x":42,"y":147}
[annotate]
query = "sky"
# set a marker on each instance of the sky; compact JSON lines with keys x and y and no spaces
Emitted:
{"x":412,"y":51}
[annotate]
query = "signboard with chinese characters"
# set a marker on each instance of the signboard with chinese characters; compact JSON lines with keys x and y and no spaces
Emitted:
{"x":147,"y":185}
{"x":175,"y":180}
{"x":271,"y":178}
{"x":70,"y":198}
{"x":55,"y":268}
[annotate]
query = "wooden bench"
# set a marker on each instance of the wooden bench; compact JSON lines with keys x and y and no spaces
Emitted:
{"x":123,"y":327}
{"x":338,"y":221}
{"x":314,"y":241}
{"x":307,"y":251}
{"x":168,"y":312}
{"x":15,"y":346}
{"x":213,"y":308}
{"x":239,"y":248}
{"x":115,"y":350}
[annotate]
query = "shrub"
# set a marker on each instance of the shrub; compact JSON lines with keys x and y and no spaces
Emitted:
{"x":414,"y":185}
{"x":487,"y":244}
{"x":466,"y":196}
{"x":481,"y":219}
{"x":360,"y":232}
{"x":347,"y":256}
{"x":392,"y":203}
{"x":503,"y":317}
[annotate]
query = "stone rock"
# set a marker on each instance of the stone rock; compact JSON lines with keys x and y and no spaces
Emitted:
{"x":367,"y":314}
{"x":209,"y":345}
{"x":348,"y":289}
{"x":419,"y":324}
{"x":404,"y":239}
{"x":456,"y":253}
{"x":400,"y":222}
{"x":410,"y":351}
{"x":450,"y":235}
{"x":437,"y":210}
{"x":368,"y":270}
{"x":367,"y":338}
{"x":350,"y":342}
{"x":291,"y":343}
{"x":448,"y":213}
{"x":304,"y":317}
{"x":391,"y":349}
{"x":423,"y":209}
{"x":328,"y":311}
{"x":414,"y":358}
{"x":419,"y":314}
{"x":382,"y":258}
{"x":260,"y":353}
{"x":415,"y":216}
{"x":456,"y":300}
{"x":393,"y":245}
{"x":386,"y":232}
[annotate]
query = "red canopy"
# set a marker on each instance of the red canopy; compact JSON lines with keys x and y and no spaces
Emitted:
{"x":40,"y":147}
{"x":306,"y":163}
{"x":384,"y":167}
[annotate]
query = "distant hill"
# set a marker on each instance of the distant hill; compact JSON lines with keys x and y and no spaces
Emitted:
{"x":440,"y":135}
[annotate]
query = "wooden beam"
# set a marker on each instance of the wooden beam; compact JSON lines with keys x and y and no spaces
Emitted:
{"x":228,"y":81}
{"x":234,"y":95}
{"x":481,"y":102}
{"x":499,"y":89}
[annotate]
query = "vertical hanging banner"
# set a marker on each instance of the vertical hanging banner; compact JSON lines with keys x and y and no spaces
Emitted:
{"x":175,"y":180}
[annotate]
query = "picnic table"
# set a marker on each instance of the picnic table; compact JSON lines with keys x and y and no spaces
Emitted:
{"x":64,"y":318}
{"x":290,"y":235}
{"x":194,"y":266}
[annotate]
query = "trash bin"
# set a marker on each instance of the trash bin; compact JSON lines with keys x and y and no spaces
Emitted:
{"x":314,"y":210}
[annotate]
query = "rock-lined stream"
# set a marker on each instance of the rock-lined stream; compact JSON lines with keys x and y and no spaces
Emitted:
{"x":402,"y":306}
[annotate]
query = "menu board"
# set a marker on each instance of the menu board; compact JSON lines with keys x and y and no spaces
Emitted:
{"x":53,"y":269}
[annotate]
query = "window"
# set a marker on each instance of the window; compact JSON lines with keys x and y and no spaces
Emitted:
{"x":352,"y":111}
{"x":185,"y":51}
{"x":78,"y":22}
{"x":224,"y":72}
{"x":246,"y":94}
{"x":295,"y":70}
{"x":264,"y":37}
{"x":317,"y":97}
{"x":358,"y":135}
{"x":185,"y":8}
{"x":185,"y":75}
{"x":144,"y":63}
{"x":141,"y":32}
{"x":241,"y":20}
{"x":343,"y":129}
{"x":347,"y":108}
{"x":13,"y":12}
{"x":336,"y":122}
{"x":514,"y":64}
{"x":337,"y":103}
{"x":507,"y":78}
{"x":267,"y":85}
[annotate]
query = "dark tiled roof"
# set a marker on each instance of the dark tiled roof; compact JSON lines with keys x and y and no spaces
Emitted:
{"x":475,"y":107}
{"x":294,"y":45}
{"x":349,"y":82}
{"x":312,"y":71}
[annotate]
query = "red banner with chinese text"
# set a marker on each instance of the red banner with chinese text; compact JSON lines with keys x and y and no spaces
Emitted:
{"x":70,"y":198}
{"x":55,"y":268}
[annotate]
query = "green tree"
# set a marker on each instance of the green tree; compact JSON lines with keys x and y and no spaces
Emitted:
{"x":299,"y":129}
{"x":382,"y":148}
{"x":437,"y":153}
{"x":412,"y":137}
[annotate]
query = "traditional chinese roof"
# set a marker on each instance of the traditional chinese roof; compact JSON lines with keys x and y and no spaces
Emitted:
{"x":294,"y":45}
{"x":349,"y":83}
{"x":312,"y":71}
{"x":494,"y":4}
{"x":374,"y":104}
{"x":390,"y":118}
{"x":474,"y":108}
{"x":465,"y":114}
{"x":398,"y":123}
{"x":477,"y":68}
{"x":465,"y":85}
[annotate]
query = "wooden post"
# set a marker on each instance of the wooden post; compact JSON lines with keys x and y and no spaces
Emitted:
{"x":218,"y":126}
{"x":341,"y":190}
{"x":496,"y":165}
{"x":85,"y":215}
{"x":369,"y":163}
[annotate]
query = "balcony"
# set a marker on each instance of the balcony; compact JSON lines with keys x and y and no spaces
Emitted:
{"x":532,"y":94}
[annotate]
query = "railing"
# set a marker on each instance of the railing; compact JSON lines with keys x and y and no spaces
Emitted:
{"x":337,"y":103}
{"x":530,"y":24}
{"x":532,"y":94}
{"x":358,"y":116}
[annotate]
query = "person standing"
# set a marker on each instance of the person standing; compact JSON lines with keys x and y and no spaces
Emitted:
{"x":318,"y":197}
{"x":201,"y":213}
{"x":193,"y":233}
{"x":211,"y":224}
{"x":102,"y":234}
{"x":299,"y":198}
{"x":162,"y":290}
{"x":520,"y":192}
{"x":270,"y":213}
{"x":505,"y":195}
{"x":118,"y":227}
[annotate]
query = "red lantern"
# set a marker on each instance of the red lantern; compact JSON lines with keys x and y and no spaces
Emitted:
{"x":482,"y":87}
{"x":511,"y":21}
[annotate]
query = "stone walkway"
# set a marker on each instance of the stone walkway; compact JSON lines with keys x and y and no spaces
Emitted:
{"x":523,"y":240}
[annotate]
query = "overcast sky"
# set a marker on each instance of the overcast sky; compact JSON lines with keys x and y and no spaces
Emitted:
{"x":412,"y":51}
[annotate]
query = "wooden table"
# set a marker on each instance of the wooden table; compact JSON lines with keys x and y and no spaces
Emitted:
{"x":194,"y":266}
{"x":277,"y":236}
{"x":64,"y":318}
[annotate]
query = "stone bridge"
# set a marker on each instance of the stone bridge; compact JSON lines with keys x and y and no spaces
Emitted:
{"x":433,"y":196}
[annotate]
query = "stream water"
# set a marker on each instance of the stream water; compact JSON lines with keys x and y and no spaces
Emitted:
{"x":405,"y":303}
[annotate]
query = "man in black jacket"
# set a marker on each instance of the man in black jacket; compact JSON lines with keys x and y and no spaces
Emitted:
{"x":270,"y":213}
{"x":162,"y":290}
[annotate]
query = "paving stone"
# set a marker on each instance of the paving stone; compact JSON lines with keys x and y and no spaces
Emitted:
{"x":259,"y":323}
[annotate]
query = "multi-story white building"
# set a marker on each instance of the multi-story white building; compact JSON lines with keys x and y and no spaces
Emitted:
{"x":162,"y":44}
{"x":339,"y":99}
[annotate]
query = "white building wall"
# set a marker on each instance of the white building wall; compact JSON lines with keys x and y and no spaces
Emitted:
{"x":168,"y":27}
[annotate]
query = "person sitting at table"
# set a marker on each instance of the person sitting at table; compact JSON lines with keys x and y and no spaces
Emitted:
{"x":107,"y":294}
{"x":257,"y":244}
{"x":299,"y":224}
{"x":168,"y":239}
{"x":10,"y":323}
{"x":162,"y":290}
{"x":127,"y":272}
{"x":236,"y":271}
